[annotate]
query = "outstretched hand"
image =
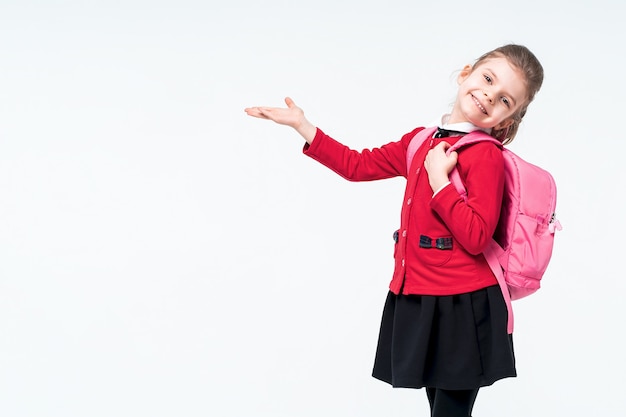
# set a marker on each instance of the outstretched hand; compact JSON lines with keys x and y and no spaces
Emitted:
{"x":439,"y":165}
{"x":291,"y":116}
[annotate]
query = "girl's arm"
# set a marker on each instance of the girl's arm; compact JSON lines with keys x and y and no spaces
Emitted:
{"x":291,"y":116}
{"x":379,"y":163}
{"x":473,"y":222}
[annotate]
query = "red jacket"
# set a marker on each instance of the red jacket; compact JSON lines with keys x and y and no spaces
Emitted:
{"x":441,"y":238}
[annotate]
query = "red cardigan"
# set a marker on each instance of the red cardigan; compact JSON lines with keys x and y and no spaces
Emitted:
{"x":441,"y":238}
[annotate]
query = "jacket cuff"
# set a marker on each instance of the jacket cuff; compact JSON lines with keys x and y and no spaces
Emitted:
{"x":311,"y":149}
{"x":445,"y":198}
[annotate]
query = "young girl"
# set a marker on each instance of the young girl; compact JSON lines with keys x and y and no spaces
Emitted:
{"x":444,"y":324}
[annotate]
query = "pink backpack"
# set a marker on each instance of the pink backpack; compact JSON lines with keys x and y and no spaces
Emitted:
{"x":521,"y":247}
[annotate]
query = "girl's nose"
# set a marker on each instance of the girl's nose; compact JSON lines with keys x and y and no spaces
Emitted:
{"x":488,"y":96}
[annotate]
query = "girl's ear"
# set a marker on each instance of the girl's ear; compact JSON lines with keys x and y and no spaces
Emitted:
{"x":465,"y":72}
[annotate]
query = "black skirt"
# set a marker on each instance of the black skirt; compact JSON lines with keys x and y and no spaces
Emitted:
{"x":454,"y":342}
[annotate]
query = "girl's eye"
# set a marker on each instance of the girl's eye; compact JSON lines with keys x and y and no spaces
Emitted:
{"x":487,"y":78}
{"x":506,"y":101}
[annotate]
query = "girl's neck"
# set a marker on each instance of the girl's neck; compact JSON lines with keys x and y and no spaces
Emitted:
{"x":462,"y":126}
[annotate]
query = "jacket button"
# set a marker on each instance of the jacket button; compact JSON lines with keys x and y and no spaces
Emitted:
{"x":408,"y":202}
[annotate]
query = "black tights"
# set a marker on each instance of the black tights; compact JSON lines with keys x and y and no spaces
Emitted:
{"x":447,"y":403}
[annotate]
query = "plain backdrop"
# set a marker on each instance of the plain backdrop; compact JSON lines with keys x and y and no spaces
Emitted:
{"x":163,"y":254}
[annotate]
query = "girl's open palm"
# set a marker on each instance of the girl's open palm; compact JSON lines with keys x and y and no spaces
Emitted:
{"x":291,"y":116}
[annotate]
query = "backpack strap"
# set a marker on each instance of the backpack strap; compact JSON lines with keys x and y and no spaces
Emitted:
{"x":491,"y":255}
{"x":493,"y":250}
{"x":469,"y":139}
{"x":417,"y":141}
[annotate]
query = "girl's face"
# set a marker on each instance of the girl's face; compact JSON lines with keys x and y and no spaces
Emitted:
{"x":489,"y":94}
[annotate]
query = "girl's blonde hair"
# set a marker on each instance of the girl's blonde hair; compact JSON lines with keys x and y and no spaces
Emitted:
{"x":520,"y":57}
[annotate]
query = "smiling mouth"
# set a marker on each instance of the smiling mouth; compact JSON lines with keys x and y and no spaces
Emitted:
{"x":480,"y":106}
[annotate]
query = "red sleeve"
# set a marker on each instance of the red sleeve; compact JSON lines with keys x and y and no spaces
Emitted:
{"x":379,"y":163}
{"x":472,"y":223}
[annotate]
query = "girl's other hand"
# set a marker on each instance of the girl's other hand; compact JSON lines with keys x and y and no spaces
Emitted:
{"x":291,"y":116}
{"x":439,"y":165}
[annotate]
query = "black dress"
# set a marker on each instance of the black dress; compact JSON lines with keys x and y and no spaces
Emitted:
{"x":454,"y":342}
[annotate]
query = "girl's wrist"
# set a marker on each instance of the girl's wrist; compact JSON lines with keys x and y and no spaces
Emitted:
{"x":437,"y":183}
{"x":307,"y":130}
{"x":436,"y":191}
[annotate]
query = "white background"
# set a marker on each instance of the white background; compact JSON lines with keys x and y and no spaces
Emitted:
{"x":163,"y":254}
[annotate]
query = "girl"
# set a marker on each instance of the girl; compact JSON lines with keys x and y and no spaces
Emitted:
{"x":444,"y":324}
